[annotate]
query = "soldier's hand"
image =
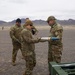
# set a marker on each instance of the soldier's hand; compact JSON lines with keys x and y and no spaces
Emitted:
{"x":43,"y":40}
{"x":16,"y":40}
{"x":53,"y":38}
{"x":39,"y":38}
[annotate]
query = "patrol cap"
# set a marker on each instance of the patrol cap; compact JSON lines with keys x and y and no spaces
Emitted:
{"x":18,"y":20}
{"x":28,"y":22}
{"x":51,"y":18}
{"x":27,"y":18}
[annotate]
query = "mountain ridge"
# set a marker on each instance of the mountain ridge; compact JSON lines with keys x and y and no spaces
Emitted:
{"x":39,"y":22}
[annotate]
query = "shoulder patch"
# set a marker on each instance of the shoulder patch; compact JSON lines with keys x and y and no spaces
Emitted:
{"x":59,"y":27}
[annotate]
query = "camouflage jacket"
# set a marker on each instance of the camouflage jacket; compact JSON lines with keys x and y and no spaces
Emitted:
{"x":28,"y":42}
{"x":56,"y":31}
{"x":15,"y":33}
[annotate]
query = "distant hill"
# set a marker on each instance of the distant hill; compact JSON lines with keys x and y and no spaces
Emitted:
{"x":66,"y":22}
{"x":39,"y":22}
{"x":2,"y":22}
{"x":13,"y":22}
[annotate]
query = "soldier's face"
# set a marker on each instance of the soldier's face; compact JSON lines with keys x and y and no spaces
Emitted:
{"x":18,"y":23}
{"x":51,"y":22}
{"x":29,"y":27}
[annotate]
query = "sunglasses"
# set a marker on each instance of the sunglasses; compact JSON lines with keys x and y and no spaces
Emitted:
{"x":31,"y":25}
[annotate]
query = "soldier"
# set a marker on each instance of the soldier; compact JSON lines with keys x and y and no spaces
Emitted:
{"x":28,"y":47}
{"x":34,"y":30}
{"x":55,"y":46}
{"x":2,"y":28}
{"x":15,"y":33}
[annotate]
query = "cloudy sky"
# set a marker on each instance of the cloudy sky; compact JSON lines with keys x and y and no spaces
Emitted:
{"x":36,"y":9}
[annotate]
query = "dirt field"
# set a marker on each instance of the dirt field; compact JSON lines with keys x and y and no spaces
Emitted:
{"x":41,"y":52}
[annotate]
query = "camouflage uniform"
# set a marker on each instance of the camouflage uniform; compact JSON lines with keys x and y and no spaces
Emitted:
{"x":15,"y":33}
{"x":28,"y":48}
{"x":55,"y":46}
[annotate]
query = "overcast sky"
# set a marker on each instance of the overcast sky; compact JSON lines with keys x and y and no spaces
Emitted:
{"x":36,"y":9}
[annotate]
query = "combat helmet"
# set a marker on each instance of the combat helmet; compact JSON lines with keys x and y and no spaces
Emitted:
{"x":51,"y":18}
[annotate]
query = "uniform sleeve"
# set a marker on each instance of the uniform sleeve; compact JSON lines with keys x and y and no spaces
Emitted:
{"x":34,"y":30}
{"x":28,"y":39}
{"x":12,"y":33}
{"x":59,"y":32}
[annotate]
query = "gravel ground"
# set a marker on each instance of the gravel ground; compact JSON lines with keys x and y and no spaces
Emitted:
{"x":68,"y":54}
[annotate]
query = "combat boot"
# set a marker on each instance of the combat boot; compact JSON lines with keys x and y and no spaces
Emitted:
{"x":13,"y":63}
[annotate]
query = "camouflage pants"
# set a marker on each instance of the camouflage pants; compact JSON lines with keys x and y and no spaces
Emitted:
{"x":54,"y":53}
{"x":16,"y":47}
{"x":30,"y":63}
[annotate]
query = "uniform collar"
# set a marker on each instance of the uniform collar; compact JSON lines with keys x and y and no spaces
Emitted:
{"x":27,"y":29}
{"x":17,"y":25}
{"x":54,"y":25}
